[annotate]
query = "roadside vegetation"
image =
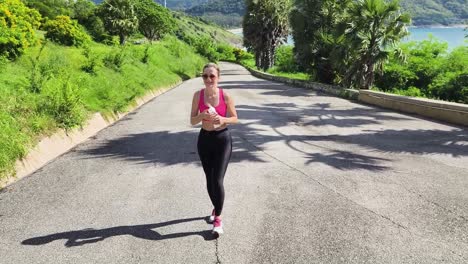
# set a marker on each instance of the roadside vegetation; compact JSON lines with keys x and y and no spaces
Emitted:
{"x":59,"y":64}
{"x":353,"y":44}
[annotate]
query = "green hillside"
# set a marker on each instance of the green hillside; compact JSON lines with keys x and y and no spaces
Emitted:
{"x":443,"y":12}
{"x":228,"y":13}
{"x":224,"y":13}
{"x":46,"y":85}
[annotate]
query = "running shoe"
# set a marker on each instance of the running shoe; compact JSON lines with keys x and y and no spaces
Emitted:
{"x":217,"y":226}
{"x":212,"y":216}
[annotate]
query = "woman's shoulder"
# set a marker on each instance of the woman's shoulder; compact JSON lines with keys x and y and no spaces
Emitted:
{"x":198,"y":92}
{"x":226,"y":95}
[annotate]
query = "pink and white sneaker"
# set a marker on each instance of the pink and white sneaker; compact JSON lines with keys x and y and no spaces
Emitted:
{"x":212,"y":216}
{"x":217,"y":226}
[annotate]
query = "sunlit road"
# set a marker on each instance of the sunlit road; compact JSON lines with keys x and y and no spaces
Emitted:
{"x":313,"y":179}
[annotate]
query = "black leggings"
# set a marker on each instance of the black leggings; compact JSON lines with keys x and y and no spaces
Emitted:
{"x":214,"y":149}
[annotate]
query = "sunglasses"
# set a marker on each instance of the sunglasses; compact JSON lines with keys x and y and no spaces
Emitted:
{"x":205,"y":76}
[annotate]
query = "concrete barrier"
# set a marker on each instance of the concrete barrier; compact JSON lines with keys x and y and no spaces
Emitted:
{"x":322,"y":87}
{"x":439,"y":110}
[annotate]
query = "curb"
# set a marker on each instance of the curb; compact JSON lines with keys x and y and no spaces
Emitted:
{"x":449,"y":112}
{"x":325,"y":88}
{"x":62,"y":141}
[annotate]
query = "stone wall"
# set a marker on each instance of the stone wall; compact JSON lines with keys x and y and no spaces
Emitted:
{"x":440,"y":110}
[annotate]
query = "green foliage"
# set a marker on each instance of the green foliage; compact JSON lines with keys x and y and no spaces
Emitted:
{"x":50,"y":9}
{"x":63,"y":102}
{"x":225,"y":51}
{"x":189,"y":28}
{"x":115,"y":59}
{"x":66,"y":93}
{"x":119,"y":18}
{"x":451,"y":86}
{"x":86,"y":13}
{"x":92,"y":61}
{"x":17,"y":25}
{"x":428,"y":72}
{"x":206,"y":47}
{"x":12,"y":142}
{"x":65,"y":31}
{"x":241,"y":54}
{"x":318,"y":29}
{"x":395,"y":76}
{"x":285,"y":61}
{"x":375,"y":27}
{"x":265,"y":26}
{"x":347,"y":41}
{"x":154,"y":20}
{"x":410,"y":91}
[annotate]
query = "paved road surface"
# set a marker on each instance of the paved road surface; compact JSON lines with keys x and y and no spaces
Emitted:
{"x":313,"y":179}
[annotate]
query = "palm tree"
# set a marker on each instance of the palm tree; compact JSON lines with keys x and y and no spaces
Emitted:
{"x":374,"y":27}
{"x":265,"y":27}
{"x":119,"y":17}
{"x":317,"y":29}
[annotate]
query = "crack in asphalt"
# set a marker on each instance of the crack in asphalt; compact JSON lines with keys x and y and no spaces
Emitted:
{"x":341,"y":195}
{"x":218,"y":261}
{"x":321,"y":184}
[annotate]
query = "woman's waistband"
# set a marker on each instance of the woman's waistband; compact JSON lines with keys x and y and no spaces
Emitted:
{"x":213,"y":132}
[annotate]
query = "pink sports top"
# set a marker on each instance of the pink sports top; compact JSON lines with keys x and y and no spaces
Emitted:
{"x":220,"y":108}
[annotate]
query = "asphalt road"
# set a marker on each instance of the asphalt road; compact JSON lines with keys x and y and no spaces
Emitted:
{"x":313,"y":179}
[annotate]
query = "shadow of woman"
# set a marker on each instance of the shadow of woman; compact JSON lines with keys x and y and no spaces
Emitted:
{"x":87,"y":236}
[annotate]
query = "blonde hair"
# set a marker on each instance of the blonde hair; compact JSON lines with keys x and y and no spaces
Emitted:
{"x":212,"y":65}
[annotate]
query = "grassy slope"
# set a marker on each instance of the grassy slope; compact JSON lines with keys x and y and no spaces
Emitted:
{"x":69,"y":95}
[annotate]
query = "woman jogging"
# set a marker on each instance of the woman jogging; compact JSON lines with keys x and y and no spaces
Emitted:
{"x":215,"y":109}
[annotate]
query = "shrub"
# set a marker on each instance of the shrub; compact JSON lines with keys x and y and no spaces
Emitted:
{"x":395,"y":76}
{"x":226,"y":52}
{"x":285,"y":59}
{"x":63,"y":102}
{"x":92,"y":61}
{"x":411,"y":91}
{"x":65,"y":31}
{"x":450,"y":86}
{"x":241,"y":54}
{"x":17,"y":24}
{"x":114,"y":60}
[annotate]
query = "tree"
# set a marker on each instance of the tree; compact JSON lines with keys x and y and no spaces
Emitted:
{"x":318,"y":28}
{"x":374,"y":26}
{"x":265,"y":27}
{"x":154,"y":20}
{"x":65,"y":31}
{"x":119,"y":18}
{"x":50,"y":8}
{"x":85,"y":12}
{"x":17,"y":25}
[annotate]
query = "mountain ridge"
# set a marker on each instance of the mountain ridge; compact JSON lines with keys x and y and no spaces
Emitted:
{"x":423,"y":12}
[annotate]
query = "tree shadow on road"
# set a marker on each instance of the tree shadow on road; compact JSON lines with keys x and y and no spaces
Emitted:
{"x":374,"y":130}
{"x":161,"y":147}
{"x":350,"y":131}
{"x":89,"y":236}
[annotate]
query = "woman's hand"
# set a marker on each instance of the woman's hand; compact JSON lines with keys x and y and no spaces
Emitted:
{"x":206,"y":115}
{"x":219,"y":120}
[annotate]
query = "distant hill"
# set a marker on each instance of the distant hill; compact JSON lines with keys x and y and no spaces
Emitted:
{"x":224,"y":13}
{"x":229,"y":13}
{"x":423,"y":12}
{"x":173,"y":4}
{"x":430,"y":12}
